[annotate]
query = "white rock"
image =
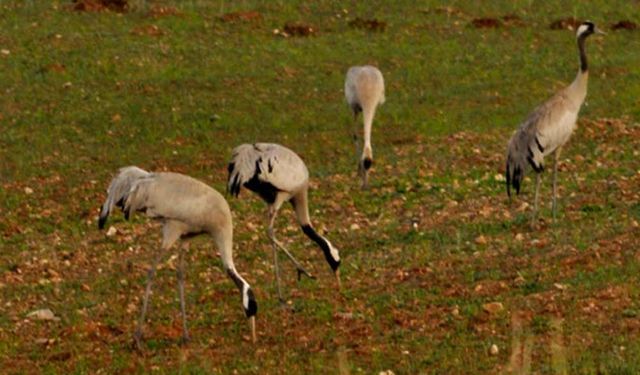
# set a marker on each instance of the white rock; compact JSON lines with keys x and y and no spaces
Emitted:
{"x":112,"y":231}
{"x":42,"y":314}
{"x":28,"y":190}
{"x":493,"y":350}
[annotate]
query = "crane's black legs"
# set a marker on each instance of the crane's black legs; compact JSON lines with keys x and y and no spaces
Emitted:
{"x":137,"y":336}
{"x":171,"y":232}
{"x":180,"y":274}
{"x":273,"y":211}
{"x":554,"y":205}
{"x":277,"y":269}
{"x":301,"y":270}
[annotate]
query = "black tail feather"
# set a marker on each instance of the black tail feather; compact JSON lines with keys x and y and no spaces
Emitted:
{"x":514,"y":176}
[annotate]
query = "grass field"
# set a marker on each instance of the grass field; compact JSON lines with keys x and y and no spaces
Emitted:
{"x":175,"y":85}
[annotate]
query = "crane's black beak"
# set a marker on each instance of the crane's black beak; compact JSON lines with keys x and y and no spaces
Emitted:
{"x":252,"y":325}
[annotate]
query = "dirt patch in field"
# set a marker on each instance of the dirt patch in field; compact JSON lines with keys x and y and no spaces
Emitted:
{"x":569,"y":23}
{"x":298,"y":29}
{"x":372,"y":24}
{"x":624,"y":25}
{"x":512,"y":20}
{"x":119,"y":6}
{"x":486,"y":23}
{"x":248,"y":16}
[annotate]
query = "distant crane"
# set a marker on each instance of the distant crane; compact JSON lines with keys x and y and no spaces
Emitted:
{"x":187,"y":207}
{"x":364,"y":91}
{"x":278,"y":175}
{"x":548,"y":128}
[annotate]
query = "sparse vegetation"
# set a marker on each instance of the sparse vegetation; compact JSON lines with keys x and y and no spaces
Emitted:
{"x":175,"y":85}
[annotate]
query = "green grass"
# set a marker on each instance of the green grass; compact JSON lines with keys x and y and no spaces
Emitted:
{"x":86,"y":93}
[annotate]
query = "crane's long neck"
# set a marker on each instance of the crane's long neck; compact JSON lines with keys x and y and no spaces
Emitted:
{"x":368,"y":111}
{"x":223,"y":237}
{"x":579,"y":85}
{"x":584,"y":65}
{"x":300,"y":204}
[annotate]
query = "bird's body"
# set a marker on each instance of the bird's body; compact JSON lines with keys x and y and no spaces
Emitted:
{"x":268,"y":169}
{"x":364,"y":91}
{"x":548,"y":128}
{"x":186,"y":207}
{"x":278,"y":175}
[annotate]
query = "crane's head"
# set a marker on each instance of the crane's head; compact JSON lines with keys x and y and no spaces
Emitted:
{"x":333,"y":258}
{"x":249,"y":301}
{"x":250,"y":308}
{"x":587,"y":28}
{"x":331,"y":253}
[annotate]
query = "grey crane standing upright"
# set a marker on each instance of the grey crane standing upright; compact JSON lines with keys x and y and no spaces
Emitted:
{"x":278,"y":175}
{"x":364,"y":91}
{"x":548,"y":128}
{"x":186,"y":207}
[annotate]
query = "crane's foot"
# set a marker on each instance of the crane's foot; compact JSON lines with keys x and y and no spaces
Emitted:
{"x":137,"y":340}
{"x":302,"y":271}
{"x":184,"y":340}
{"x":283,"y":304}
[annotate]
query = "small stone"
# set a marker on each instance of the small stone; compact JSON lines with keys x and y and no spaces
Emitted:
{"x":354,"y":226}
{"x":42,"y":314}
{"x":5,"y":52}
{"x":344,"y":315}
{"x":455,"y":311}
{"x":519,"y":237}
{"x":523,"y":207}
{"x":111,"y":231}
{"x":493,"y":307}
{"x":481,"y":240}
{"x":560,"y":286}
{"x":493,"y":350}
{"x":28,"y":190}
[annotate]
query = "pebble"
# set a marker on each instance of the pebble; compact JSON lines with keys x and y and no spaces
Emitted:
{"x":112,"y":231}
{"x":42,"y":314}
{"x":493,"y":307}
